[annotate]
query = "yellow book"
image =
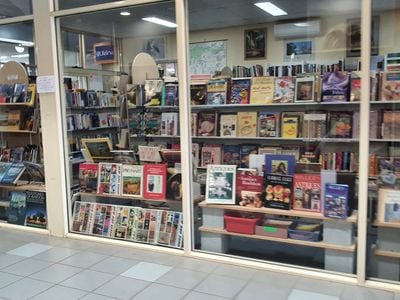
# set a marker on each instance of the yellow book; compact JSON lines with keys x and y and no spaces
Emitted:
{"x":262,"y":90}
{"x":290,"y":126}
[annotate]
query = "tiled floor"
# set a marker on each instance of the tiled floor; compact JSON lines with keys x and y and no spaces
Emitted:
{"x":36,"y":266}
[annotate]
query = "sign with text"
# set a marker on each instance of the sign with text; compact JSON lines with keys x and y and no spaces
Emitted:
{"x":104,"y":53}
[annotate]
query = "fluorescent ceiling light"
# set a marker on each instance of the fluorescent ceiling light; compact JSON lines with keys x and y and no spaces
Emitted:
{"x":160,"y":22}
{"x":302,"y":24}
{"x":20,"y":55}
{"x":125,"y":13}
{"x":270,"y":8}
{"x":19,"y":42}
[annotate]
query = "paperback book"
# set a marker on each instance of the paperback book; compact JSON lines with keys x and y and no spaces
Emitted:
{"x":210,"y":154}
{"x":278,"y":191}
{"x":391,"y":124}
{"x":245,"y":151}
{"x":169,"y":123}
{"x":284,"y":89}
{"x":155,"y":181}
{"x":262,"y":90}
{"x":336,"y":200}
{"x":240,"y":91}
{"x":388,"y":205}
{"x":170,"y":95}
{"x":247,"y":124}
{"x":305,"y":89}
{"x":198,"y":94}
{"x":88,"y":177}
{"x":152,"y":123}
{"x":290,"y":127}
{"x":13,"y":173}
{"x":153,"y":92}
{"x":268,"y":124}
{"x":314,"y":125}
{"x":231,"y":155}
{"x":218,"y":91}
{"x":280,"y":164}
{"x":221,"y":184}
{"x":340,"y":124}
{"x":390,"y":82}
{"x":132,"y":180}
{"x":335,"y":86}
{"x":227,"y":124}
{"x":206,"y":124}
{"x":307,"y":192}
{"x":17,"y":209}
{"x":249,"y":185}
{"x":109,"y":181}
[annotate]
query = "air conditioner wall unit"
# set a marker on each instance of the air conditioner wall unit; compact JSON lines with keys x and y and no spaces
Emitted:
{"x":298,"y":29}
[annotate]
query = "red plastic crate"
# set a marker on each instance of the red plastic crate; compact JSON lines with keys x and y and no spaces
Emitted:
{"x":240,"y":224}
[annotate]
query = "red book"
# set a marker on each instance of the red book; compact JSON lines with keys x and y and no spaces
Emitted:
{"x":307,"y":192}
{"x":155,"y":181}
{"x":249,"y":187}
{"x":88,"y":176}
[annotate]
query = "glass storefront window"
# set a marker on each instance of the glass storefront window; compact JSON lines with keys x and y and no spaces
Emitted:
{"x":122,"y":124}
{"x":274,"y":131}
{"x":9,"y":9}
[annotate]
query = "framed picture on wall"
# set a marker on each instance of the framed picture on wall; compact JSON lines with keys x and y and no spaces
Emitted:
{"x":255,"y":43}
{"x":354,"y":37}
{"x":155,"y":47}
{"x":302,"y":49}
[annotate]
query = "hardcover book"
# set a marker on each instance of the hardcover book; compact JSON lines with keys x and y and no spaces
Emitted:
{"x":388,"y":205}
{"x":109,"y":181}
{"x":231,"y":155}
{"x":307,"y":192}
{"x":290,"y":127}
{"x":335,"y":87}
{"x":390,"y":82}
{"x":284,"y":89}
{"x":198,"y":94}
{"x":245,"y":151}
{"x":36,"y":213}
{"x":388,"y":171}
{"x":220,"y":184}
{"x":152,"y":123}
{"x":280,"y":164}
{"x":210,"y":154}
{"x":268,"y":124}
{"x":249,"y":187}
{"x":217,"y":91}
{"x":14,"y":120}
{"x":13,"y":173}
{"x":262,"y":90}
{"x":257,"y":162}
{"x":20,"y":93}
{"x":17,"y":209}
{"x":336,"y":200}
{"x":314,"y":125}
{"x":305,"y":89}
{"x":88,"y":177}
{"x":247,"y":124}
{"x":391,"y":124}
{"x":278,"y":191}
{"x":153,"y":92}
{"x":206,"y":124}
{"x":169,"y":123}
{"x":3,"y":168}
{"x":373,"y":124}
{"x":135,"y":123}
{"x":132,"y":180}
{"x":155,"y":181}
{"x":171,"y":95}
{"x":227,"y":124}
{"x":340,"y":124}
{"x":355,"y":86}
{"x":240,"y":91}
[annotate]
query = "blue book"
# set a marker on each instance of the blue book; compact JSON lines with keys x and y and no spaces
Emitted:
{"x":13,"y":173}
{"x":231,"y":155}
{"x":36,"y":213}
{"x":4,"y":166}
{"x":336,"y":200}
{"x":280,"y":164}
{"x":16,"y":211}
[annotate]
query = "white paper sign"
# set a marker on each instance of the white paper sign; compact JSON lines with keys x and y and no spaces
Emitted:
{"x":46,"y":84}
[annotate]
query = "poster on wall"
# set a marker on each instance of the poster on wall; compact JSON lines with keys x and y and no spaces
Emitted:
{"x":207,"y":57}
{"x":155,"y":47}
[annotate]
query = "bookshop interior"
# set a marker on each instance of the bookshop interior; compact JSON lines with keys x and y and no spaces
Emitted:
{"x":260,"y":132}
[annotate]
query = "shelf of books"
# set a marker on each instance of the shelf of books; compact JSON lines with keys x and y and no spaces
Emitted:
{"x":391,"y":254}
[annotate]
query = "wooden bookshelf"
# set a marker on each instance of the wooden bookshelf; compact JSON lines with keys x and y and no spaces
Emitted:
{"x":17,"y":131}
{"x":324,"y":245}
{"x":386,"y":224}
{"x":280,"y":212}
{"x":24,"y":187}
{"x":386,"y":253}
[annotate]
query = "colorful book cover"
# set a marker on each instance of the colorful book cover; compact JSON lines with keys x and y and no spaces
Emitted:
{"x":13,"y":173}
{"x":169,"y":123}
{"x":132,"y":180}
{"x":206,"y":124}
{"x":36,"y":213}
{"x":247,"y":123}
{"x":20,"y":92}
{"x":245,"y":151}
{"x":307,"y":192}
{"x":284,"y":89}
{"x":388,"y":169}
{"x":152,"y":123}
{"x":390,"y":82}
{"x":314,"y":125}
{"x":221,"y":184}
{"x":211,"y":155}
{"x":335,"y":86}
{"x":355,"y":86}
{"x":17,"y":209}
{"x":3,"y":168}
{"x":257,"y":162}
{"x":7,"y":92}
{"x":336,"y":200}
{"x":262,"y":90}
{"x":278,"y":191}
{"x":268,"y":124}
{"x":280,"y":164}
{"x":109,"y":181}
{"x":198,"y":94}
{"x":153,"y":92}
{"x":240,"y":91}
{"x":290,"y":125}
{"x":231,"y":155}
{"x":340,"y":124}
{"x":249,"y":185}
{"x":120,"y":227}
{"x":14,"y":120}
{"x":227,"y":124}
{"x":391,"y":124}
{"x":135,"y":123}
{"x":217,"y":92}
{"x":171,"y":95}
{"x":88,"y":176}
{"x":154,"y":181}
{"x":388,"y":205}
{"x":305,"y":89}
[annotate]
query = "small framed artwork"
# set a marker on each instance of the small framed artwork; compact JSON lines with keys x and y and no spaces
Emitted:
{"x":255,"y":43}
{"x":155,"y":47}
{"x":353,"y":41}
{"x":299,"y":49}
{"x":98,"y":149}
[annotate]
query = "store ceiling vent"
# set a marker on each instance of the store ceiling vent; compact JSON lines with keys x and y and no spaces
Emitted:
{"x":298,"y":29}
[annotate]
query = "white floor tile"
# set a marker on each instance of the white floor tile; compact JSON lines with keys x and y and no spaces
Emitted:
{"x":6,"y":279}
{"x":146,"y":271}
{"x":27,"y":267}
{"x":304,"y":295}
{"x":122,"y":288}
{"x":87,"y":280}
{"x":56,"y":254}
{"x":154,"y":291}
{"x":56,"y":273}
{"x":182,"y":278}
{"x":60,"y":293}
{"x":24,"y":289}
{"x":92,"y":296}
{"x":29,"y":250}
{"x":202,"y":296}
{"x":7,"y":260}
{"x":83,"y":259}
{"x":114,"y":265}
{"x":258,"y":291}
{"x":222,"y":286}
